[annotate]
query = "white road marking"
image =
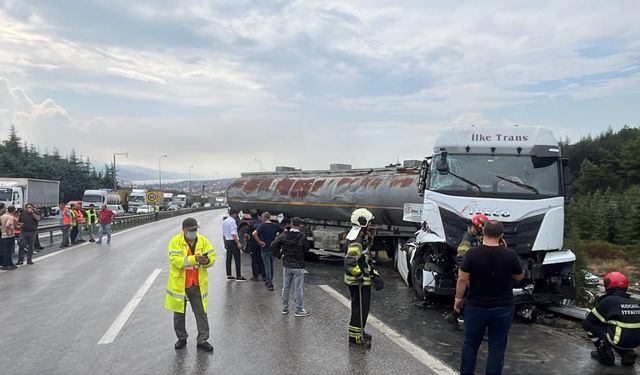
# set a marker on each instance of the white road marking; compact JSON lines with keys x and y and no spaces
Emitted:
{"x":121,"y":320}
{"x":418,"y":353}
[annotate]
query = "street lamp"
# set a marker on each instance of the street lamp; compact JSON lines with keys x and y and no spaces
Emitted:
{"x":160,"y":171}
{"x":190,"y":192}
{"x":260,"y":163}
{"x":115,"y":173}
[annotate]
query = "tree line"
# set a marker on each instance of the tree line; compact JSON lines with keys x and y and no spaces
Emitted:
{"x":605,"y":203}
{"x":75,"y":173}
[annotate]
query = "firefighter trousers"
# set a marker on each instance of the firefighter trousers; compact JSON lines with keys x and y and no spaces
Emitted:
{"x":356,"y":327}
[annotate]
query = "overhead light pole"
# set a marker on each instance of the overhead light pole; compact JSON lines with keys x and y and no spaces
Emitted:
{"x":259,"y":163}
{"x":115,"y":171}
{"x":160,"y":170}
{"x":190,"y":191}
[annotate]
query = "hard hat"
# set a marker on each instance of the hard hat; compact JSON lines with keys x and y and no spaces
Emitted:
{"x":615,"y":280}
{"x":479,"y":219}
{"x":361,"y":217}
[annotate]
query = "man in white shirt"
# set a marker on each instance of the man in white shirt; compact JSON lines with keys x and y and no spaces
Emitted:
{"x":232,"y":243}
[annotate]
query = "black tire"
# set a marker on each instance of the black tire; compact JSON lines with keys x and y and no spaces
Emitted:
{"x":416,"y":278}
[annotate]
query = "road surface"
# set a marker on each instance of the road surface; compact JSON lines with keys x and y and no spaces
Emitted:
{"x":97,"y":309}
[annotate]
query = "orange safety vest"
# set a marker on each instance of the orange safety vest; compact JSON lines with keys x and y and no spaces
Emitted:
{"x":66,"y":219}
{"x":192,"y":272}
{"x":79,"y":216}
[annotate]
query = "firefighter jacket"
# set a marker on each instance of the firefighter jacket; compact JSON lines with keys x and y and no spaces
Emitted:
{"x":358,"y":269}
{"x":467,"y":242}
{"x":179,"y":262}
{"x":621,"y":315}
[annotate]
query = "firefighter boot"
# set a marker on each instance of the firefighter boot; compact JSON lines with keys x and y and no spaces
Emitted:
{"x":359,"y":341}
{"x":604,"y":353}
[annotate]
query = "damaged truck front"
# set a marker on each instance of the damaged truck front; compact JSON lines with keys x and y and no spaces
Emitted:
{"x":512,"y":174}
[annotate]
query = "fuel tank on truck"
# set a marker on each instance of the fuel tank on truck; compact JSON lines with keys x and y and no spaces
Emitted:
{"x":328,"y":195}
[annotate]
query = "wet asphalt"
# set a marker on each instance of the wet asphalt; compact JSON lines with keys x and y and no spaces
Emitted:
{"x":53,"y":314}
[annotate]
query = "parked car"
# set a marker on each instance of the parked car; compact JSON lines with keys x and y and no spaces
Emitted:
{"x":173,"y":207}
{"x":117,"y":209}
{"x":195,"y":205}
{"x":145,"y":209}
{"x":207,"y":204}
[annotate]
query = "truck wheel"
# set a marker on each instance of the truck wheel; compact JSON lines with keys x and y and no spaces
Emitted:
{"x":416,"y":278}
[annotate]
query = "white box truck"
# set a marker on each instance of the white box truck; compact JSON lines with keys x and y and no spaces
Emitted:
{"x":43,"y":194}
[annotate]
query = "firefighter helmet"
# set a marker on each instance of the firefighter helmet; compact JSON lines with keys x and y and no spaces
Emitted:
{"x":361,"y":217}
{"x":615,"y":280}
{"x":478,"y":220}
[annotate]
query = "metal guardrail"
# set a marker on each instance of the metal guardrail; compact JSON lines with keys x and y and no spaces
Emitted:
{"x":130,"y":221}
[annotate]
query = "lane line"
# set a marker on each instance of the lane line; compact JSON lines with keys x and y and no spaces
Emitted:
{"x":128,"y":310}
{"x":418,"y":353}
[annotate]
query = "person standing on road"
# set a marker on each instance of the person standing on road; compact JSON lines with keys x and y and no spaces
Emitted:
{"x":3,"y":209}
{"x":291,"y":246}
{"x":64,"y":221}
{"x":105,"y":217}
{"x":156,"y":211}
{"x":264,"y":235}
{"x":74,"y":223}
{"x":190,"y":255}
{"x":28,"y":220}
{"x":359,"y":275}
{"x":92,"y":220}
{"x":257,"y":265}
{"x":488,"y":271}
{"x":615,"y":322}
{"x":8,"y":223}
{"x":80,"y":220}
{"x":232,"y":244}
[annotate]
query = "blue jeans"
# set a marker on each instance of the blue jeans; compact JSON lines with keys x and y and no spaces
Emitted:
{"x":295,"y":276}
{"x":267,"y":259}
{"x":9,"y":247}
{"x":477,"y":320}
{"x":104,"y":229}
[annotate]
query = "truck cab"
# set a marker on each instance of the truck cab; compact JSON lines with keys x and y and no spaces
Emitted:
{"x":512,"y":174}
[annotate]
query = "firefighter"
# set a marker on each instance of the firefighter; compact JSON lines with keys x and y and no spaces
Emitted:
{"x":360,"y":275}
{"x":614,"y":323}
{"x":472,"y":237}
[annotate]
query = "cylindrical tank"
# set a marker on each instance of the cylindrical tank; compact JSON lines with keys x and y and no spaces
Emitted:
{"x":325,"y":195}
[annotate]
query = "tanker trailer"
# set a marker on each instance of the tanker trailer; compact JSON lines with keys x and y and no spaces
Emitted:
{"x":325,"y":199}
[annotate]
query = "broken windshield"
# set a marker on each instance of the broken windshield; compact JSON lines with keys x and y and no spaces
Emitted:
{"x":498,"y":175}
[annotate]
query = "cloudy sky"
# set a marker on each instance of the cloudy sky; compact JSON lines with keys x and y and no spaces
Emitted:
{"x":219,"y":84}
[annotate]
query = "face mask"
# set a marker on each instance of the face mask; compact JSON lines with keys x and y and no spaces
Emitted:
{"x":191,"y":235}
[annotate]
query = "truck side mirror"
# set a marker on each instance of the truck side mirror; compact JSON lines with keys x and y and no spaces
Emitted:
{"x":567,"y":180}
{"x":442,"y":166}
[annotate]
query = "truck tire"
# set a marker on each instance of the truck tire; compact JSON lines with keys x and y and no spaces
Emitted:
{"x":416,"y":277}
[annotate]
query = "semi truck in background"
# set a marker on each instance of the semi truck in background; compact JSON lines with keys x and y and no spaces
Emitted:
{"x":514,"y":174}
{"x":43,"y":194}
{"x":181,"y":200}
{"x":167,"y":199}
{"x":105,"y":196}
{"x":137,"y":198}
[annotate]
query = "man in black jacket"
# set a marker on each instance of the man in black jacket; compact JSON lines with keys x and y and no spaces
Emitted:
{"x":615,"y":322}
{"x":291,"y":246}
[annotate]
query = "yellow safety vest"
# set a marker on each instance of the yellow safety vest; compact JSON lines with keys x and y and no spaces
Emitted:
{"x":179,"y":261}
{"x":92,"y":217}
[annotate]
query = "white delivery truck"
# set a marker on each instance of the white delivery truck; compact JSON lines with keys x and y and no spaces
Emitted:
{"x":43,"y":194}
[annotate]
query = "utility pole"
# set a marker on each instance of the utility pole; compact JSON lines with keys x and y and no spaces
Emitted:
{"x":259,"y":163}
{"x":160,"y":171}
{"x":115,"y":173}
{"x":190,"y":192}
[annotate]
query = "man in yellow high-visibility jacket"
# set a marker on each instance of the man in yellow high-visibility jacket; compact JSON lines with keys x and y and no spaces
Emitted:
{"x":190,"y":255}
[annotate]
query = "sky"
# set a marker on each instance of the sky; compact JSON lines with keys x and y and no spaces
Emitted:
{"x":230,"y":86}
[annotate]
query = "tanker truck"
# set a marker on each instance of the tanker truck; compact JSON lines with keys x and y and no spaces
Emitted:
{"x":105,"y":196}
{"x":514,"y":174}
{"x":326,"y":198}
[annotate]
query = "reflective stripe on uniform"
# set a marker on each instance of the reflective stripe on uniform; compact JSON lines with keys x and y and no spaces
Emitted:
{"x":616,"y":323}
{"x":176,"y":295}
{"x":205,"y":295}
{"x":175,"y":252}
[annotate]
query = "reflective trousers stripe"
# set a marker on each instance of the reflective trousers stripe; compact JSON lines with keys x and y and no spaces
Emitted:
{"x":176,"y":295}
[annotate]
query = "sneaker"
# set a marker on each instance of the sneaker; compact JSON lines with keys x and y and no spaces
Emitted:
{"x":92,"y":240}
{"x":254,"y":278}
{"x":270,"y":287}
{"x":180,"y":344}
{"x":39,"y":248}
{"x":99,"y":242}
{"x":35,"y":251}
{"x":205,"y":346}
{"x":240,"y":278}
{"x":367,"y":336}
{"x":230,"y":277}
{"x":8,"y":268}
{"x":19,"y":263}
{"x":302,"y":313}
{"x":285,"y":312}
{"x":29,"y":261}
{"x":359,"y":342}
